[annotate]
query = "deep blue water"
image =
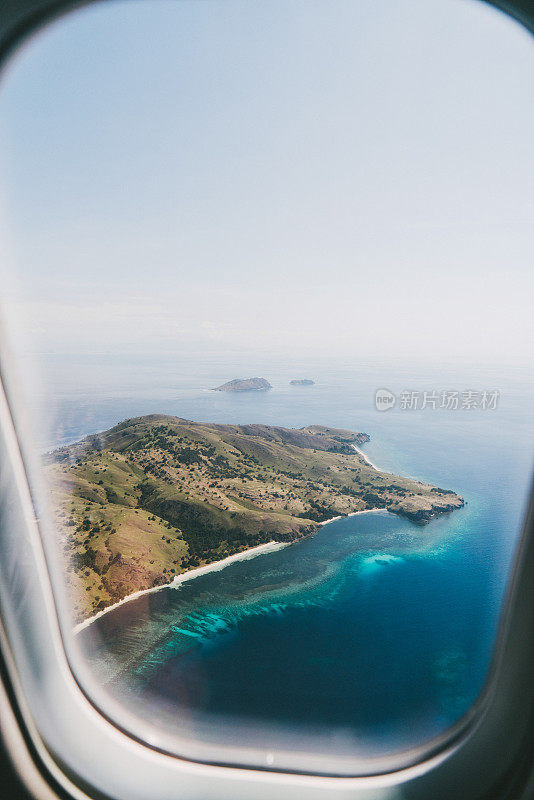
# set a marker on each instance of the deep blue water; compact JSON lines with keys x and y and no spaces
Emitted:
{"x":373,"y":626}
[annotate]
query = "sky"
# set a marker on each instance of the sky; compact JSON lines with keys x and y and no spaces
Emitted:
{"x":294,"y":177}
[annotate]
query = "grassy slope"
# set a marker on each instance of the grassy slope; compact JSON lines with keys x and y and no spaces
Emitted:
{"x":156,"y":495}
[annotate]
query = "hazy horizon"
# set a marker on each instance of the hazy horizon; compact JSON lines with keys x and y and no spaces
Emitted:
{"x":294,"y":179}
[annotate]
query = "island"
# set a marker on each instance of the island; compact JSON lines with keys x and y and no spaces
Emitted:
{"x":245,"y":385}
{"x":302,"y":382}
{"x":158,"y":495}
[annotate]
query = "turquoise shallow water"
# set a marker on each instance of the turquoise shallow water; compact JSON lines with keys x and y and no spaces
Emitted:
{"x":374,"y":625}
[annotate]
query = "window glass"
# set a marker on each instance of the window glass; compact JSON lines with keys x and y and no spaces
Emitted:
{"x":268,"y":284}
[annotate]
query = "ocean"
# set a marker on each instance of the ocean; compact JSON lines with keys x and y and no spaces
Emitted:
{"x":374,"y":628}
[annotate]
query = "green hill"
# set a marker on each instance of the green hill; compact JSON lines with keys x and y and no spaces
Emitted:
{"x":157,"y":495}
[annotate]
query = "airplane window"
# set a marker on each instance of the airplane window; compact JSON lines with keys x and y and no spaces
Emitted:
{"x":267,"y":285}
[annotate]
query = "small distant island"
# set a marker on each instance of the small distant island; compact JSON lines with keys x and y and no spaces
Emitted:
{"x":245,"y":385}
{"x":302,"y":382}
{"x":157,"y":496}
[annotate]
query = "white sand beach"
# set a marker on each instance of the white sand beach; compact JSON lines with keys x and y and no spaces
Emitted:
{"x":189,"y":575}
{"x":356,"y":513}
{"x":367,"y":460}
